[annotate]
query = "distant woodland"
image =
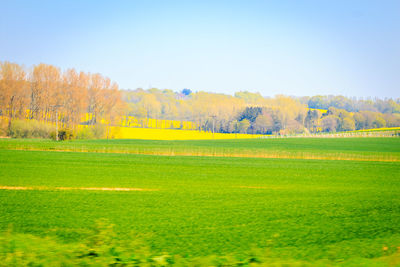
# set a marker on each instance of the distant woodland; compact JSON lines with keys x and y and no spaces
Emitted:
{"x":47,"y":94}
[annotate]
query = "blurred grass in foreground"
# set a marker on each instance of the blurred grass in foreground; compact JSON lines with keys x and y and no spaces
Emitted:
{"x":103,"y":248}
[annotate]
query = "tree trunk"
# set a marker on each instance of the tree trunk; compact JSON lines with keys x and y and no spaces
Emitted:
{"x":10,"y":113}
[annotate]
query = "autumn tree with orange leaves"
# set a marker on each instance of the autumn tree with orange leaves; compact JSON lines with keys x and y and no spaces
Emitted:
{"x":47,"y":94}
{"x":14,"y":91}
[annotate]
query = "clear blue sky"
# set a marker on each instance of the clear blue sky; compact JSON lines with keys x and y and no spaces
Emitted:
{"x":273,"y":47}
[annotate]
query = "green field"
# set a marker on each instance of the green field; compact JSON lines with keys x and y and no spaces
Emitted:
{"x":299,"y":209}
{"x":375,"y":149}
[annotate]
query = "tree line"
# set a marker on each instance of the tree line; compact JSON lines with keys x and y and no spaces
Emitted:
{"x":46,"y":93}
{"x":247,"y":112}
{"x":353,"y":104}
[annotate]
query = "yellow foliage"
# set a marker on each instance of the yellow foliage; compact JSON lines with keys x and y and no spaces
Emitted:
{"x":320,"y":110}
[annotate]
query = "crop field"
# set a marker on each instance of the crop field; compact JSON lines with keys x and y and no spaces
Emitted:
{"x":367,"y":149}
{"x":379,"y":129}
{"x":172,"y":134}
{"x":343,"y":208}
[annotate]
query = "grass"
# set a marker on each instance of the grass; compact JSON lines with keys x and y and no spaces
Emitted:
{"x":369,"y":149}
{"x":295,"y":209}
